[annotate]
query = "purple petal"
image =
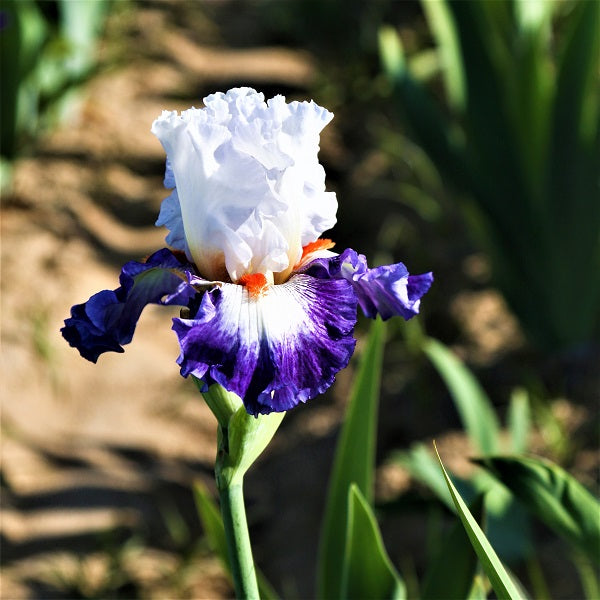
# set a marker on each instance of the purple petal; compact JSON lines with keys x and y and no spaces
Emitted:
{"x":274,"y":350}
{"x":108,"y":319}
{"x":388,"y":290}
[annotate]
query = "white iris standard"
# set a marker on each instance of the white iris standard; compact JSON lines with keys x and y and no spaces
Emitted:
{"x":250,"y":191}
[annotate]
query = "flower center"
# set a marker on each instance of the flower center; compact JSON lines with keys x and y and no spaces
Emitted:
{"x":255,"y":283}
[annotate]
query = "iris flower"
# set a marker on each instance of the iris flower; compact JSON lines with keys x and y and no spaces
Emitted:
{"x":268,"y":309}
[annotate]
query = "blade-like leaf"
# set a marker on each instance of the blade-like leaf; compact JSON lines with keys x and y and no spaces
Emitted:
{"x":488,"y":123}
{"x":442,"y":25}
{"x":424,"y":468}
{"x":532,"y":96}
{"x":519,"y":420}
{"x":499,"y":578}
{"x":354,"y":463}
{"x":479,"y":590}
{"x":532,"y":14}
{"x":577,"y":78}
{"x":553,"y":496}
{"x":507,"y":521}
{"x":451,"y":574}
{"x":80,"y":25}
{"x":367,"y":570}
{"x":588,"y":575}
{"x":212,"y":524}
{"x":21,"y":41}
{"x":421,"y":112}
{"x":573,"y":173}
{"x":472,"y":403}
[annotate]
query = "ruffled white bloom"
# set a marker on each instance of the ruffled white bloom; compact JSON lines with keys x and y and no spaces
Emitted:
{"x":249,"y":186}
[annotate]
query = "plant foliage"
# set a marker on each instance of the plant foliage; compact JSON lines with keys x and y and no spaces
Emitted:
{"x":519,"y":139}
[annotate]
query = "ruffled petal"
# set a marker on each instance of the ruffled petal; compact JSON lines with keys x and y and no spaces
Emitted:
{"x":273,"y":349}
{"x":250,"y":191}
{"x":108,"y":319}
{"x":388,"y":290}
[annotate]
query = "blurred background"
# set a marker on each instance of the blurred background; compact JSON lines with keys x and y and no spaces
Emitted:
{"x":465,"y":141}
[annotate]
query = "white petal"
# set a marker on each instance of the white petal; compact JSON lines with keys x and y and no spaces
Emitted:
{"x":248,"y":179}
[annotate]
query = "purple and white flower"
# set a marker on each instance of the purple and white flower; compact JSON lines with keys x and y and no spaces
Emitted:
{"x":269,"y":310}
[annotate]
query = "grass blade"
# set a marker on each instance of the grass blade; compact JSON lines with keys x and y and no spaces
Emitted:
{"x":573,"y":173}
{"x":423,"y":468}
{"x":507,"y":521}
{"x":443,"y":27}
{"x":368,"y":571}
{"x":472,"y":403}
{"x":354,"y":463}
{"x":519,"y":420}
{"x":499,"y":578}
{"x":422,"y":114}
{"x":552,"y":495}
{"x":479,"y":591}
{"x":81,"y":23}
{"x":451,"y":574}
{"x":21,"y":41}
{"x":588,"y":575}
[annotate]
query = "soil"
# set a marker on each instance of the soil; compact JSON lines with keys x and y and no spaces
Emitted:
{"x":98,"y":461}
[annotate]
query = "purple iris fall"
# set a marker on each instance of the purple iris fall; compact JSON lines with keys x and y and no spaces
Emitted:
{"x":269,"y":310}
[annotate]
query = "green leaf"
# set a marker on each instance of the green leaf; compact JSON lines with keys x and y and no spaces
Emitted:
{"x":472,"y":403}
{"x":423,"y":467}
{"x":531,"y":100}
{"x":80,"y":25}
{"x":354,"y":462}
{"x":391,"y":52}
{"x":212,"y":524}
{"x":443,"y":28}
{"x":479,"y":590}
{"x":452,"y":572}
{"x":537,"y":579}
{"x":421,"y":113}
{"x":507,"y":521}
{"x":367,"y":569}
{"x":488,"y":82}
{"x":553,"y":496}
{"x":22,"y":37}
{"x":578,"y":79}
{"x":572,"y":172}
{"x":527,"y":139}
{"x":533,"y":14}
{"x":519,"y":420}
{"x":499,"y":578}
{"x":588,"y":575}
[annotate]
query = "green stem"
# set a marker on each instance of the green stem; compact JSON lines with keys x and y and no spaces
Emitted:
{"x":240,"y":440}
{"x":238,"y":540}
